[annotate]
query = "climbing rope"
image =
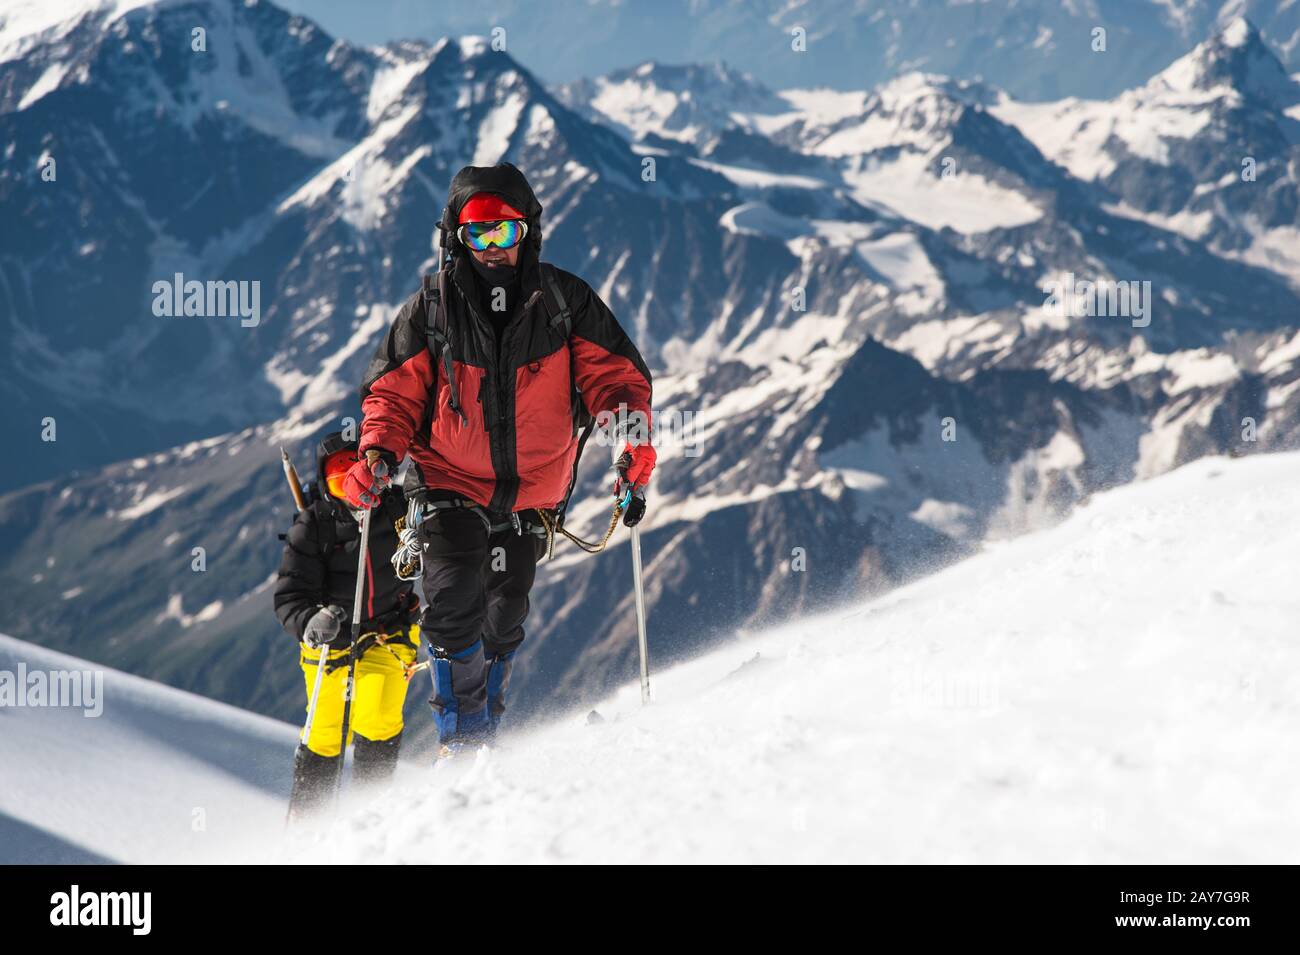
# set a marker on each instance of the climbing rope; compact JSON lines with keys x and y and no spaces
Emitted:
{"x":406,"y":559}
{"x":408,"y":669}
{"x":552,"y":525}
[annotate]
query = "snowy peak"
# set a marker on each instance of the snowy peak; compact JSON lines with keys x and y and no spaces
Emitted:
{"x":1206,"y":149}
{"x":27,"y":24}
{"x":686,"y":103}
{"x":702,"y":82}
{"x":253,"y":64}
{"x":715,"y":81}
{"x":929,"y":95}
{"x":1235,"y":59}
{"x":919,"y":110}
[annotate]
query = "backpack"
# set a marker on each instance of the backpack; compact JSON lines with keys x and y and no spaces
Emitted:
{"x":434,"y":292}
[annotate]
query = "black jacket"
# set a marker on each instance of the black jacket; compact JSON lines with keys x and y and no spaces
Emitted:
{"x":319,"y":567}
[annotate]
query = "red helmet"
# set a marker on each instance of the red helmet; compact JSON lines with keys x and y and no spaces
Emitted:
{"x":486,"y":207}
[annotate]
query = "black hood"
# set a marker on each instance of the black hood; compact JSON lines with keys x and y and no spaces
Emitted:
{"x":332,"y":442}
{"x":502,"y":180}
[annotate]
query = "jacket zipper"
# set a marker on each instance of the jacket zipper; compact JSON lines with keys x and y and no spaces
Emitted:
{"x":507,"y":490}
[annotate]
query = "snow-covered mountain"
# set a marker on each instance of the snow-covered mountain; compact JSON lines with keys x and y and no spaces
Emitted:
{"x":1037,"y":49}
{"x":828,"y":285}
{"x":1116,"y":689}
{"x":1208,"y":148}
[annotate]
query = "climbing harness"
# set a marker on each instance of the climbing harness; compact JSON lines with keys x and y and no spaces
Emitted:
{"x":371,"y":638}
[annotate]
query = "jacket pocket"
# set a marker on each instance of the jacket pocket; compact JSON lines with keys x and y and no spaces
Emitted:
{"x":543,"y":411}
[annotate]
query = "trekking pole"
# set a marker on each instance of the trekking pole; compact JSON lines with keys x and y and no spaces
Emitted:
{"x":311,"y":715}
{"x":640,"y":616}
{"x":295,"y":487}
{"x":352,"y":647}
{"x":640,"y":602}
{"x":315,"y":695}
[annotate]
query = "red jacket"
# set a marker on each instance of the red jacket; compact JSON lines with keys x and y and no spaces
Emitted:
{"x":514,"y":449}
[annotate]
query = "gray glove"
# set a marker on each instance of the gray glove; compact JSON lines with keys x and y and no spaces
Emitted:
{"x":324,"y":626}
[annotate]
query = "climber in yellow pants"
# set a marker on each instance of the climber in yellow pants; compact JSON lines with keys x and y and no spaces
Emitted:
{"x":377,"y":697}
{"x":315,"y":592}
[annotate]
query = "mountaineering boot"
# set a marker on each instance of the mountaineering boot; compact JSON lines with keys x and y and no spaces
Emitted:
{"x":374,"y":760}
{"x":449,"y":751}
{"x":499,"y":666}
{"x":314,"y":781}
{"x":459,"y":700}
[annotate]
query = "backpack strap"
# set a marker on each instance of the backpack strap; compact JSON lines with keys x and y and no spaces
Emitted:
{"x":326,"y":532}
{"x":561,"y":318}
{"x":563,"y":506}
{"x":562,"y":324}
{"x":434,"y":290}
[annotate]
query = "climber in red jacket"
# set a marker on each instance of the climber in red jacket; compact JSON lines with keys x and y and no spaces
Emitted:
{"x":482,"y":379}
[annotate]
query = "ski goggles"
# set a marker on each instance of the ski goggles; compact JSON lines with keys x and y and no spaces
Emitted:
{"x":337,"y":466}
{"x":504,"y":234}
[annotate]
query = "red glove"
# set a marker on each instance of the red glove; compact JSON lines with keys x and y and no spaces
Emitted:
{"x":366,"y":480}
{"x":636,"y":464}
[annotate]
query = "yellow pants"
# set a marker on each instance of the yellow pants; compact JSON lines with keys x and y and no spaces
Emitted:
{"x":377,"y":697}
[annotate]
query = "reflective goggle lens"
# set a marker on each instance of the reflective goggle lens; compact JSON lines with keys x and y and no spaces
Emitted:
{"x":505,"y":234}
{"x":335,"y":483}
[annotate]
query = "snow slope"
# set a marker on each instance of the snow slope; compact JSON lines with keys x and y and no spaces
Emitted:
{"x":1120,"y":688}
{"x":160,"y":776}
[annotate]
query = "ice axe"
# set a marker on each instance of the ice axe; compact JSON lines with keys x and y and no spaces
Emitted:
{"x":291,"y":475}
